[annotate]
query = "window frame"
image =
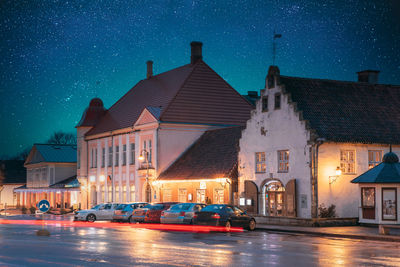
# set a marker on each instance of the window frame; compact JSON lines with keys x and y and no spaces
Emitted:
{"x":277,"y":99}
{"x":372,"y":162}
{"x":260,"y":162}
{"x":116,"y":162}
{"x":264,"y":104}
{"x":132,"y":159}
{"x":123,"y":154}
{"x":344,"y":163}
{"x":284,"y":161}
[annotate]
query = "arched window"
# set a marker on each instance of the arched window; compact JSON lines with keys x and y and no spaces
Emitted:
{"x":103,"y":193}
{"x":124,"y":194}
{"x":132,"y":197}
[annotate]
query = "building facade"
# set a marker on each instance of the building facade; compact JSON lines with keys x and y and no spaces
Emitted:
{"x":12,"y":175}
{"x":308,"y":138}
{"x":51,"y":175}
{"x":156,"y":121}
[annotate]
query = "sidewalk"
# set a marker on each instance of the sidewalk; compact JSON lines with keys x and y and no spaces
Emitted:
{"x":353,"y":232}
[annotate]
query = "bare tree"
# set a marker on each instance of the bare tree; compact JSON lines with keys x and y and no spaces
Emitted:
{"x":62,"y":138}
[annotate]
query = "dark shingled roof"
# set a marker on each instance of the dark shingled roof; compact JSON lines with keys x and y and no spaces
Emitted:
{"x":66,"y":183}
{"x":193,"y":93}
{"x":53,"y":153}
{"x":213,"y":155}
{"x":347,"y":111}
{"x":12,"y":172}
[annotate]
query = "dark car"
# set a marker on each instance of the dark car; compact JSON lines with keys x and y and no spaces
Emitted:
{"x":153,"y":213}
{"x":224,"y":215}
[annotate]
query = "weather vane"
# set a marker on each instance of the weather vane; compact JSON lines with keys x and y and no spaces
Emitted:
{"x":276,"y":36}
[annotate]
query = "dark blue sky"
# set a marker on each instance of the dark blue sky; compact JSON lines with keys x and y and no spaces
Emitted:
{"x":57,"y":55}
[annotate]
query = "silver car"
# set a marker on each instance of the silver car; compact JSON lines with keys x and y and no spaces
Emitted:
{"x":181,"y":213}
{"x":101,"y":212}
{"x":124,"y":214}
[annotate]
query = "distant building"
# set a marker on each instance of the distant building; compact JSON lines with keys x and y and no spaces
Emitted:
{"x":308,"y":138}
{"x":12,"y":175}
{"x":51,"y":175}
{"x":157,"y":120}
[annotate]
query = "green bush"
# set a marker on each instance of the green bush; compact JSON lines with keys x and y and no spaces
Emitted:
{"x":32,"y":210}
{"x":325,"y":212}
{"x":24,"y":210}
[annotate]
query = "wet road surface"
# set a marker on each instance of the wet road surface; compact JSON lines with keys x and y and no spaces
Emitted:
{"x":126,"y":246}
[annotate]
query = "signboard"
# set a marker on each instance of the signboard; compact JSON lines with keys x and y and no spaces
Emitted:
{"x":44,"y":205}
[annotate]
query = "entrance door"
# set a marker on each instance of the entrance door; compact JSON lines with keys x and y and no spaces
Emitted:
{"x":274,"y":199}
{"x":201,"y":196}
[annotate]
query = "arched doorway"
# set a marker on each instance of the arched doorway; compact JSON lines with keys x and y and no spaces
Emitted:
{"x":274,"y":198}
{"x":93,"y":194}
{"x":251,"y":196}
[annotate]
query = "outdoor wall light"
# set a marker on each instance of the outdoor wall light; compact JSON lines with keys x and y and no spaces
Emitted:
{"x":333,"y":178}
{"x":92,"y":178}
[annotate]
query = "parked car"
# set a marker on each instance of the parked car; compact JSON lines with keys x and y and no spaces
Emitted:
{"x":150,"y":212}
{"x":181,"y":213}
{"x":224,"y":215}
{"x":154,"y":212}
{"x":124,"y":214}
{"x":99,"y":212}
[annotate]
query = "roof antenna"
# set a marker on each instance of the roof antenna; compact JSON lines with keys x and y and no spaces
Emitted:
{"x":276,"y":36}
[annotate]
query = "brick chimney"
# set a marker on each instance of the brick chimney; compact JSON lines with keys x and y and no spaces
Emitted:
{"x":149,"y":69}
{"x":196,"y":52}
{"x":368,"y":76}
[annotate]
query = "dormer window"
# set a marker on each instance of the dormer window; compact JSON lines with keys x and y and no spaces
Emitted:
{"x":277,"y":101}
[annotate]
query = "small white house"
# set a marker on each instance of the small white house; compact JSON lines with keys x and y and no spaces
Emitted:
{"x":308,"y":138}
{"x":379,"y":192}
{"x":12,"y":175}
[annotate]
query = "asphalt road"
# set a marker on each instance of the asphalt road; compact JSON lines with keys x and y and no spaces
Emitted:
{"x":126,"y":246}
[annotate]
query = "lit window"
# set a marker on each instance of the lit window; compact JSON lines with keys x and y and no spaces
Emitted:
{"x":347,"y":161}
{"x":374,"y":158}
{"x":283,"y":161}
{"x":260,"y":162}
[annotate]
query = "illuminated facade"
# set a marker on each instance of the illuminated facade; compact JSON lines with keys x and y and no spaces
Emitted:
{"x":156,"y":121}
{"x":51,"y":175}
{"x":306,"y":141}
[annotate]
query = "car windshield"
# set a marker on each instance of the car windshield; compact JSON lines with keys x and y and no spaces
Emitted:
{"x":121,"y":206}
{"x":183,"y":206}
{"x":213,"y":208}
{"x":156,"y":207}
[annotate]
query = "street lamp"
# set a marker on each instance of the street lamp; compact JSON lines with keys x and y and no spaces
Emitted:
{"x":144,"y":155}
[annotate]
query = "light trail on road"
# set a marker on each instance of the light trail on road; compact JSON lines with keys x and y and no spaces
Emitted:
{"x":164,"y":227}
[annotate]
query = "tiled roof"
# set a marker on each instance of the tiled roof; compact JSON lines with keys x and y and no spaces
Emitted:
{"x":12,"y":172}
{"x":382,"y":173}
{"x":156,"y":111}
{"x":347,"y":111}
{"x":213,"y":155}
{"x":193,"y":93}
{"x":55,"y":153}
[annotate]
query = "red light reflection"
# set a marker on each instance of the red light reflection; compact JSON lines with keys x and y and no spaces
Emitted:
{"x":164,"y":227}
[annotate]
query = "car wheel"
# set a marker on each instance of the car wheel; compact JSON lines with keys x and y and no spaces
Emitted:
{"x":228,"y":225}
{"x":91,"y":218}
{"x":252,"y":225}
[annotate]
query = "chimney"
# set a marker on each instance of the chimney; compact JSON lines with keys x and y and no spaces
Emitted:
{"x":149,"y":69}
{"x":196,"y":52}
{"x":368,"y":76}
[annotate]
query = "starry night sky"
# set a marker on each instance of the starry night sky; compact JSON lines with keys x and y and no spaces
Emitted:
{"x":57,"y":55}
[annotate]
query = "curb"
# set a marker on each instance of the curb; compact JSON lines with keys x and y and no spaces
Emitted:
{"x":360,"y":237}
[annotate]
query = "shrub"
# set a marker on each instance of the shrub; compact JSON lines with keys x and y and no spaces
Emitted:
{"x":325,"y":212}
{"x":24,"y":210}
{"x":32,"y":210}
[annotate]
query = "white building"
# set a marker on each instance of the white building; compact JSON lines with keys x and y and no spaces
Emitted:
{"x":158,"y":119}
{"x":12,"y":175}
{"x":308,"y":138}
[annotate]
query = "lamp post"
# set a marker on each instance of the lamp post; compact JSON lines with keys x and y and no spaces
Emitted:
{"x":144,"y":155}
